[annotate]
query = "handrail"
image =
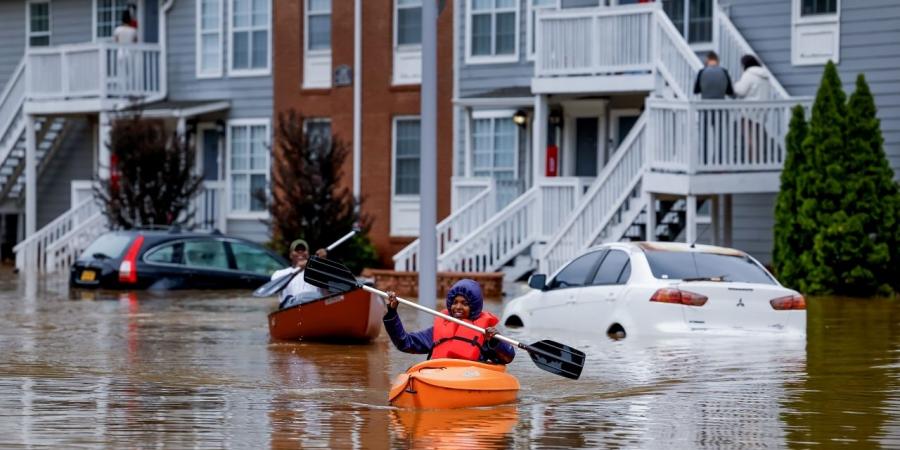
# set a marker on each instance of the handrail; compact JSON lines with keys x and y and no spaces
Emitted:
{"x":405,"y":259}
{"x":62,"y":253}
{"x":68,"y":215}
{"x":734,"y":63}
{"x":666,"y":31}
{"x":12,"y":99}
{"x":581,"y":226}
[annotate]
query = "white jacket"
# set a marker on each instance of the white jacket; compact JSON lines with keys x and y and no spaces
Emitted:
{"x":753,"y":85}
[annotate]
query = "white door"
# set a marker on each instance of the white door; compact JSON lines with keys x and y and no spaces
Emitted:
{"x":605,"y":291}
{"x":554,"y":307}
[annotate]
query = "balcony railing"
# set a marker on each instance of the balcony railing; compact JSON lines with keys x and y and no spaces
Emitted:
{"x":718,"y":136}
{"x":94,"y":71}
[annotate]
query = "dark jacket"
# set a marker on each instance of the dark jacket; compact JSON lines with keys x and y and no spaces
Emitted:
{"x":713,"y":82}
{"x":422,"y":341}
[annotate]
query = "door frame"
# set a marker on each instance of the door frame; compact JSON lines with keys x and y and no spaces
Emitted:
{"x":200,"y":148}
{"x":579,"y":109}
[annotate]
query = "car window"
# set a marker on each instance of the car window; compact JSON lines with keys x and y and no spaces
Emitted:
{"x":254,"y":259}
{"x":109,"y":245}
{"x":577,"y":272}
{"x":626,"y":274}
{"x":205,"y":253}
{"x":681,"y":265}
{"x":165,"y":254}
{"x":611,"y":268}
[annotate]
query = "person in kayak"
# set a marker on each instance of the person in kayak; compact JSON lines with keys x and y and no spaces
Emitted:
{"x":298,"y":290}
{"x":446,"y":339}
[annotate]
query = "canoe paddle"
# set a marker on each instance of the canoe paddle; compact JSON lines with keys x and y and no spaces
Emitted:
{"x":275,"y":286}
{"x":548,"y":355}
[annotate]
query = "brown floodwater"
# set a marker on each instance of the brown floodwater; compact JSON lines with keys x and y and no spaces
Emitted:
{"x":198,"y":370}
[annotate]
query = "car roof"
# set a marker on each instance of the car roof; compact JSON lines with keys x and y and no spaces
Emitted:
{"x":158,"y":236}
{"x":670,"y":247}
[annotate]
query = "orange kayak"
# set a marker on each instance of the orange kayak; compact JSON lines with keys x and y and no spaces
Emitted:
{"x":453,"y":383}
{"x":351,"y":316}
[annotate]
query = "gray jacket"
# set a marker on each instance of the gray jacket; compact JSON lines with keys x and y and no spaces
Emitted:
{"x":713,"y":82}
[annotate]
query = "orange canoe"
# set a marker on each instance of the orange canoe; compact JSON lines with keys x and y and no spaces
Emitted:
{"x":352,"y":316}
{"x":453,"y":383}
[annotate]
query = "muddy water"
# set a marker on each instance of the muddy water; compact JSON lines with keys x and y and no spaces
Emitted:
{"x":198,"y":370}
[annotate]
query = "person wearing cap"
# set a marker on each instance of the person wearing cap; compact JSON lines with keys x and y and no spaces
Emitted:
{"x":446,"y":339}
{"x":298,"y":290}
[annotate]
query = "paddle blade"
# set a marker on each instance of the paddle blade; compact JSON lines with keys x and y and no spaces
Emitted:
{"x":556,"y":358}
{"x":331,"y":275}
{"x":274,"y":286}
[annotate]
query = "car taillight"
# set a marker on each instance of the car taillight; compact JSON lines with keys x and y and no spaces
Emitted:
{"x":128,"y":267}
{"x":677,"y":296}
{"x":788,"y":302}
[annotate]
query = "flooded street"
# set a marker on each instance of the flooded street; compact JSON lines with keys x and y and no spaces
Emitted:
{"x":192,"y":369}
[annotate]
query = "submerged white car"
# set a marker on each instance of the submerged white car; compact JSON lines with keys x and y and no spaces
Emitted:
{"x":632,"y":288}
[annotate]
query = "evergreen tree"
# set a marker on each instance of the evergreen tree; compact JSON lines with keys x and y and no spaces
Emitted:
{"x":308,"y":200}
{"x":790,"y":241}
{"x":152,"y":179}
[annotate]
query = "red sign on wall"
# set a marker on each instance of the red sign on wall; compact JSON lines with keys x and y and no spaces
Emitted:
{"x":552,"y":161}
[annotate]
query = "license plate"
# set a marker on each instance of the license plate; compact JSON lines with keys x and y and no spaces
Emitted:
{"x":88,"y":275}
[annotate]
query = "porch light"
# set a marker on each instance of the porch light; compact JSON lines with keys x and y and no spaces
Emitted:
{"x":555,"y":117}
{"x":520,"y":118}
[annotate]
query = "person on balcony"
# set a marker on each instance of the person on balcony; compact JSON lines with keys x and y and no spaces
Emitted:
{"x":754,"y":83}
{"x":446,"y":339}
{"x":298,"y":291}
{"x":713,"y":81}
{"x":126,"y":32}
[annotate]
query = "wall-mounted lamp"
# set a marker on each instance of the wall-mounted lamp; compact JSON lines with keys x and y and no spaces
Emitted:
{"x":220,"y":127}
{"x":555,"y":118}
{"x":520,"y":118}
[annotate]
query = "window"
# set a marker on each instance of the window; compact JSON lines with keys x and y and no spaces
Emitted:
{"x":534,"y":6}
{"x":493,"y":26}
{"x":38,"y":24}
{"x":739,"y":268}
{"x":253,"y":259}
{"x":167,"y":254}
{"x":108,"y":16}
{"x":611,"y":268}
{"x":494,"y":144}
{"x":409,"y":22}
{"x":692,"y":18}
{"x":816,"y":31}
{"x":111,"y":245}
{"x":318,"y":133}
{"x":577,"y":272}
{"x":816,"y":7}
{"x":209,"y":38}
{"x":407,"y":42}
{"x":205,"y":254}
{"x":317,"y":43}
{"x":407,"y":151}
{"x":249,"y":165}
{"x":250,"y":25}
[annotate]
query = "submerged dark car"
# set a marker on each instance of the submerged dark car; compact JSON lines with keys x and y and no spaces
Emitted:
{"x":140,"y":259}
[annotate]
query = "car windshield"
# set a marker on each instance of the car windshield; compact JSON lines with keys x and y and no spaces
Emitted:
{"x":700,"y":266}
{"x":107,"y":246}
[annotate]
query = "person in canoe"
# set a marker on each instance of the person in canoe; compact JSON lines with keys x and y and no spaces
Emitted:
{"x":298,"y":290}
{"x":446,"y":339}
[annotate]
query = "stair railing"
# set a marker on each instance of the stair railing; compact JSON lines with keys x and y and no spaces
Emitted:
{"x":732,"y":46}
{"x":12,"y":99}
{"x":35,"y":251}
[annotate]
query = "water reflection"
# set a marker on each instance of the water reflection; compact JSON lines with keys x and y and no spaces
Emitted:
{"x":197,"y":369}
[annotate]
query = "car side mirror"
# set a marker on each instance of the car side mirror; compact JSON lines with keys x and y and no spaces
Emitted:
{"x":538,"y":281}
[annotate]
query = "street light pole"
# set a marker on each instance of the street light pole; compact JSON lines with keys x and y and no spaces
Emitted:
{"x":428,"y":156}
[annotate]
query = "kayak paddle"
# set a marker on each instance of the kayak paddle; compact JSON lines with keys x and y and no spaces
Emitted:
{"x":548,"y":355}
{"x":275,"y":286}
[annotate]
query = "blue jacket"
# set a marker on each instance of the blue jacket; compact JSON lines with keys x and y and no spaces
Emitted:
{"x":422,"y":341}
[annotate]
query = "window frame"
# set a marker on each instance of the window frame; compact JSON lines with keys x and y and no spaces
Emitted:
{"x":394,"y":121}
{"x":198,"y":36}
{"x":531,"y":26}
{"x":589,"y":276}
{"x":231,"y":212}
{"x":493,"y":58}
{"x":318,"y":120}
{"x":320,"y":55}
{"x":592,"y":278}
{"x":230,"y":30}
{"x":306,"y":15}
{"x":229,"y":248}
{"x":824,"y":22}
{"x":702,"y":46}
{"x":397,"y":44}
{"x":28,"y":31}
{"x":139,"y":4}
{"x":494,"y":115}
{"x":404,"y":52}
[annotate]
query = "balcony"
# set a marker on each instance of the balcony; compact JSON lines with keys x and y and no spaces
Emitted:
{"x":92,"y":77}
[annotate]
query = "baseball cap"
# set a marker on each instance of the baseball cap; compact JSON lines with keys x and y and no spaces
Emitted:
{"x":299,"y":243}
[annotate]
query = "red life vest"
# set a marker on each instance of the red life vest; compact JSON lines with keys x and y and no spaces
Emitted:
{"x":456,"y":341}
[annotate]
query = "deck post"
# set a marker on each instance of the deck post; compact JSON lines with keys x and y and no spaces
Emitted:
{"x":539,"y":137}
{"x":726,"y":222}
{"x":651,"y":217}
{"x":690,"y":233}
{"x":103,"y":155}
{"x":30,"y":175}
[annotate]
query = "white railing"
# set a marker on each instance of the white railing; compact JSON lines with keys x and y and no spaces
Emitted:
{"x":11,"y":100}
{"x":732,"y":46}
{"x":678,"y":64}
{"x":464,"y":189}
{"x":592,"y":42}
{"x":209,"y":206}
{"x":63,"y":253}
{"x":43,"y":250}
{"x":95,"y":70}
{"x":454,"y":228}
{"x":533,"y":216}
{"x":719,"y":136}
{"x":596,"y":209}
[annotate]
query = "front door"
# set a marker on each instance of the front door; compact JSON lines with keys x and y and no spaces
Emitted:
{"x":586,"y":146}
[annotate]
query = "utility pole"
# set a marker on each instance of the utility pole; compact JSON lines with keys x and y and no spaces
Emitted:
{"x":428,"y":156}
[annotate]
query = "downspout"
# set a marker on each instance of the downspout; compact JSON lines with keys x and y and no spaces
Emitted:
{"x":163,"y":54}
{"x":357,"y":98}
